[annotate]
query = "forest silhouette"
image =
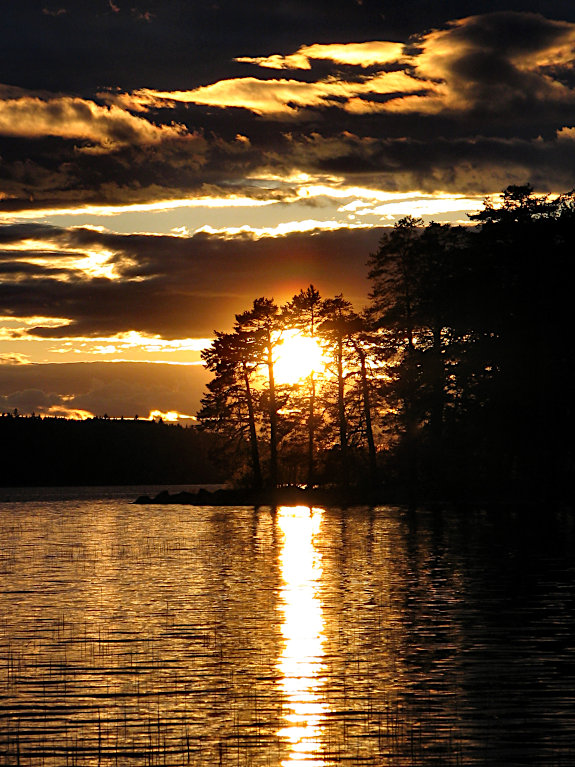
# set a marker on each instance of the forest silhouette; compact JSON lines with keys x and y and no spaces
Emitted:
{"x":48,"y":451}
{"x":454,"y":383}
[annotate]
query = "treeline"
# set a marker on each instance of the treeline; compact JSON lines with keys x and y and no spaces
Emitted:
{"x":456,"y":382}
{"x":58,"y":451}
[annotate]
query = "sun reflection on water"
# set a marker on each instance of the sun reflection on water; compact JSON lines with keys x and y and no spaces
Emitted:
{"x":301,"y":661}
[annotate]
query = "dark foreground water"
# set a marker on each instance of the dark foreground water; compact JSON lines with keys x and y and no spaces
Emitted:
{"x":154,"y":635}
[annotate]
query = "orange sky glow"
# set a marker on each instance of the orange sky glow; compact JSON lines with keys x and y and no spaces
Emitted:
{"x":142,"y":210}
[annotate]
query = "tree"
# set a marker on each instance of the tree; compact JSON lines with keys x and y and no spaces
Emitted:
{"x":363,"y":340}
{"x":419,"y":301}
{"x":334,"y":330}
{"x":394,"y":274}
{"x":524,"y":261}
{"x":260,"y":326}
{"x":303,"y":313}
{"x":233,"y":359}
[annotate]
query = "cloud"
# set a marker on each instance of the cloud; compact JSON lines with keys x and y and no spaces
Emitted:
{"x":473,"y":165}
{"x":178,"y":287}
{"x":494,"y":61}
{"x":566,"y":134}
{"x":107,"y":127}
{"x":313,"y":226}
{"x":490,"y":61}
{"x":424,"y":114}
{"x":30,"y":401}
{"x":115,"y":388}
{"x":291,"y":98}
{"x":90,"y":46}
{"x":13,"y":359}
{"x":353,"y":54}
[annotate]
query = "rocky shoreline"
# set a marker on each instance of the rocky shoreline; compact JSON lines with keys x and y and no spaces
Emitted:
{"x":283,"y":496}
{"x":338,"y":498}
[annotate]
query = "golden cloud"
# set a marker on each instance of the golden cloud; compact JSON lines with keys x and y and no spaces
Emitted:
{"x":14,"y":358}
{"x":107,"y":127}
{"x":289,"y":97}
{"x":566,"y":134}
{"x":171,"y":416}
{"x":280,"y":230}
{"x":494,"y":58}
{"x":158,"y":205}
{"x":367,"y":54}
{"x":61,"y":411}
{"x":264,"y":97}
{"x":498,"y":57}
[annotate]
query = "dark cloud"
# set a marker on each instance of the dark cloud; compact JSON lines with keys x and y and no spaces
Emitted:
{"x":114,"y":103}
{"x":168,"y":285}
{"x":501,"y":64}
{"x":116,"y":388}
{"x":30,"y":401}
{"x":476,"y":164}
{"x":479,"y":165}
{"x":167,"y":43}
{"x":179,"y":44}
{"x":189,"y":131}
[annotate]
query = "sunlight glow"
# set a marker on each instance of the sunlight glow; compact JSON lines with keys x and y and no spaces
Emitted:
{"x":232,"y":201}
{"x":73,"y":414}
{"x":301,"y":661}
{"x":97,"y":263}
{"x":171,"y":416}
{"x":133,"y":339}
{"x":280,"y":230}
{"x":297,"y":357}
{"x":16,"y":323}
{"x":398,"y":203}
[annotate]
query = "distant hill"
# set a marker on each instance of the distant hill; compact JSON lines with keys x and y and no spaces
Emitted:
{"x":101,"y":451}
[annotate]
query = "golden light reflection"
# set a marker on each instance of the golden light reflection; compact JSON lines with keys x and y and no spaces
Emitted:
{"x":301,"y":663}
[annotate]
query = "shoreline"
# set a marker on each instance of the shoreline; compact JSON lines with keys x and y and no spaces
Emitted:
{"x":282,"y":496}
{"x":340,"y":498}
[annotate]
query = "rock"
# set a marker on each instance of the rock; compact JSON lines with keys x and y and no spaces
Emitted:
{"x":143,"y":499}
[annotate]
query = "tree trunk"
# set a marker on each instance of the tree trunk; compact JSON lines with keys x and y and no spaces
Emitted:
{"x":256,"y":468}
{"x":341,"y":411}
{"x":273,"y":416}
{"x":311,"y":434}
{"x":367,"y":416}
{"x":438,"y":395}
{"x":411,"y":429}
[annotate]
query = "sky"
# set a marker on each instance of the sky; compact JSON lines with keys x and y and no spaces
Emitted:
{"x":165,"y":162}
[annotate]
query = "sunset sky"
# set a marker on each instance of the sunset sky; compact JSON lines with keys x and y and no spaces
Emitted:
{"x":163,"y":163}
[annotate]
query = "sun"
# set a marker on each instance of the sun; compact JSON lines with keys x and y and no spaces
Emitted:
{"x":297,"y":357}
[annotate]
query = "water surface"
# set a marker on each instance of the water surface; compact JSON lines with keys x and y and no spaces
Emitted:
{"x":166,"y":635}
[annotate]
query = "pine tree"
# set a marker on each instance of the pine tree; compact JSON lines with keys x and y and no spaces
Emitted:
{"x":303,"y":313}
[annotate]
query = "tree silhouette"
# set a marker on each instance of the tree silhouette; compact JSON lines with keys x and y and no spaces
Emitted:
{"x":456,"y":382}
{"x":304,"y":313}
{"x":335,"y":331}
{"x":363,"y":340}
{"x":260,"y":327}
{"x":233,"y":359}
{"x":394,"y":274}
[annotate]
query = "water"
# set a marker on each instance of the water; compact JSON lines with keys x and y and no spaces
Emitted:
{"x":149,"y":635}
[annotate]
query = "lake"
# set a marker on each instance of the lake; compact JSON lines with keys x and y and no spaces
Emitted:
{"x":171,"y":635}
